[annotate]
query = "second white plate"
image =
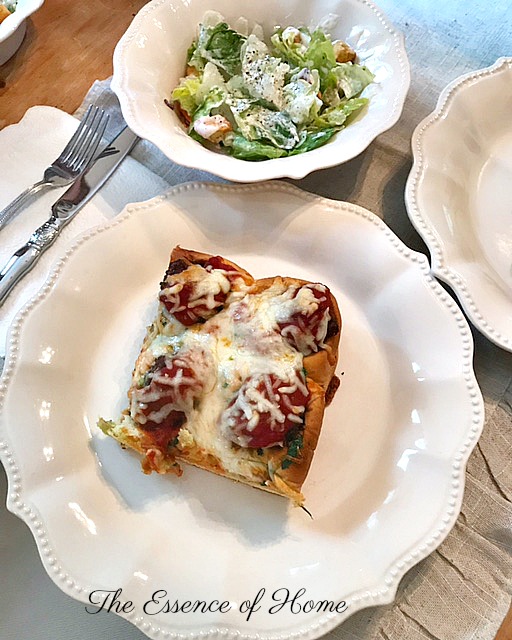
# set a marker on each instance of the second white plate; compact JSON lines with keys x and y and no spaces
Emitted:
{"x":459,"y":195}
{"x":386,"y":483}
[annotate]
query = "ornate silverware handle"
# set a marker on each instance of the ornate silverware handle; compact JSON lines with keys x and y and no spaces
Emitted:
{"x":26,"y":256}
{"x":13,"y":207}
{"x":64,"y":210}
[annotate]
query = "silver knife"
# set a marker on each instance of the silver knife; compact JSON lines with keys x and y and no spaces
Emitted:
{"x":64,"y":210}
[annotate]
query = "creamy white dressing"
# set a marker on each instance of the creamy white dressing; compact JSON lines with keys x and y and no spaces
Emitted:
{"x":209,"y":126}
{"x":264,"y":75}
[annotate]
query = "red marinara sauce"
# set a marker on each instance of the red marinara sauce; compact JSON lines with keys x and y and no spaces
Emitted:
{"x":265,"y":409}
{"x":185,"y":305}
{"x":306,"y":330}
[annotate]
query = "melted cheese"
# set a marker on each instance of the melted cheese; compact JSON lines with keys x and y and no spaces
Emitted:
{"x":164,"y":345}
{"x":252,"y":401}
{"x":205,"y":286}
{"x":241,"y":342}
{"x":239,"y":349}
{"x":181,"y":389}
{"x":304,"y":302}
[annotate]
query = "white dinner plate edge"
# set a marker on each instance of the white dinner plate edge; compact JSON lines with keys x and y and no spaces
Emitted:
{"x":440,"y":265}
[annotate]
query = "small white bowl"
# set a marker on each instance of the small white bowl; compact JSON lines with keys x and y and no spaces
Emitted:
{"x":13,"y":28}
{"x":151,"y":56}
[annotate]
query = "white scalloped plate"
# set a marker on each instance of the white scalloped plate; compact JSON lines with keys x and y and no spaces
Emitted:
{"x":150,"y":59}
{"x":459,"y":194}
{"x":387,"y":480}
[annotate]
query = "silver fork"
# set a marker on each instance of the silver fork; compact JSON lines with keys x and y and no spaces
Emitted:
{"x":72,"y":162}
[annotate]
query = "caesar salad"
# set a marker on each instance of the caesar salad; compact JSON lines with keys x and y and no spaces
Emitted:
{"x":258,"y":100}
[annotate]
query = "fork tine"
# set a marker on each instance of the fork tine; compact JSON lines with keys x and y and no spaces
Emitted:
{"x":74,"y":159}
{"x":84,"y":133}
{"x":81,"y":130}
{"x":96,"y":141}
{"x":95,"y":137}
{"x":85,"y":136}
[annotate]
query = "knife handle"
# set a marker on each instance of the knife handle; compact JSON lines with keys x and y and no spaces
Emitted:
{"x":22,"y":261}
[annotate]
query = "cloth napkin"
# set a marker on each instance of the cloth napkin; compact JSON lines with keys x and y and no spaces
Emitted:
{"x":23,"y":163}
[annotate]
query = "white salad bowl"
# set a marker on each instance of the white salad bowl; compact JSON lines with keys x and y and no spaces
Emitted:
{"x":459,"y":195}
{"x":150,"y":59}
{"x":13,"y":28}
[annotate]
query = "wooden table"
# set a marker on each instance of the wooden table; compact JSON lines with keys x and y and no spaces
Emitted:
{"x":68,"y":46}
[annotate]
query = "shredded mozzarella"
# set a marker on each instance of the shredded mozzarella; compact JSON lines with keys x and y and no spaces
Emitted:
{"x":205,"y":286}
{"x":242,"y":342}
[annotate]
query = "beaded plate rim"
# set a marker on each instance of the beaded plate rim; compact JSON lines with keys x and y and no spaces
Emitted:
{"x":441,"y":266}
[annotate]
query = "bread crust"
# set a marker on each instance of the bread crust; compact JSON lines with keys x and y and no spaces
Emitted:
{"x":281,"y":474}
{"x":196,"y":257}
{"x":295,"y":475}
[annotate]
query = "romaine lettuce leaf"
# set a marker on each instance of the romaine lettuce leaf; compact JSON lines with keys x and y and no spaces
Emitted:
{"x":288,"y":43}
{"x":336,"y":116}
{"x":352,"y":78}
{"x":312,"y":140}
{"x":210,"y":78}
{"x":185,"y":93}
{"x":259,"y":123}
{"x":216,"y":43}
{"x":300,"y":96}
{"x":222,"y":46}
{"x":245,"y":149}
{"x":304,"y":50}
{"x":254,"y":150}
{"x":194,"y":57}
{"x":214,"y":99}
{"x":320,"y":55}
{"x":236,"y":87}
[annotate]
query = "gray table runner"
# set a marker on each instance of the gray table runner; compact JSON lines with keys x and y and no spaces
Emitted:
{"x":463,"y":590}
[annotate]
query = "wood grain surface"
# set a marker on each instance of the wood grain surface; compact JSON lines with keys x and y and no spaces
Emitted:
{"x":68,"y":46}
{"x":505,"y":632}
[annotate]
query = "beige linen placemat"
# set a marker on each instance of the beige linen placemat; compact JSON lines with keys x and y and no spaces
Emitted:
{"x":462,"y":590}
